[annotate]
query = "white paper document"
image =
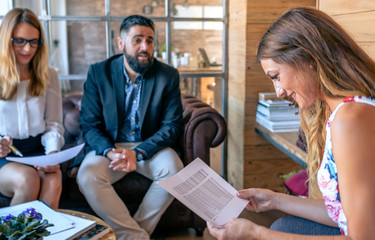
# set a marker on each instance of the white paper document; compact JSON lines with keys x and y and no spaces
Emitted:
{"x":80,"y":225}
{"x":50,"y":159}
{"x":60,"y":222}
{"x":207,"y":194}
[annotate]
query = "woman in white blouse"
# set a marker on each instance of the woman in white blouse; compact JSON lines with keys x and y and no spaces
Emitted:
{"x":30,"y":110}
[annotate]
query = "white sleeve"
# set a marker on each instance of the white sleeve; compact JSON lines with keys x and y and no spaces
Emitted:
{"x":53,"y":137}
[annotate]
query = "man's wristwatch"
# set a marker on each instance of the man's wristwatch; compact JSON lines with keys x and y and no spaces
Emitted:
{"x":138,"y":155}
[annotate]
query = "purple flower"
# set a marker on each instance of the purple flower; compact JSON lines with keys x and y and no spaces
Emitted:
{"x":33,"y":213}
{"x":7,"y":218}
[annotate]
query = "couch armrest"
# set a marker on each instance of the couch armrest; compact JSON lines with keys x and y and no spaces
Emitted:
{"x":71,"y":110}
{"x":204,"y":128}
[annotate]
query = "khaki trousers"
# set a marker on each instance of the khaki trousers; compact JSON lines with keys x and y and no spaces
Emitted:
{"x":95,"y":180}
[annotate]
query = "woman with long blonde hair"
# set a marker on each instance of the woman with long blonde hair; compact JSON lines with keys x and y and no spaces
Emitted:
{"x":311,"y":59}
{"x":30,"y":110}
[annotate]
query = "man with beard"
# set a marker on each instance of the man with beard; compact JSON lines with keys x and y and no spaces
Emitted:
{"x":131,"y":118}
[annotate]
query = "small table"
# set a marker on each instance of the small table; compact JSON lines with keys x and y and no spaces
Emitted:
{"x":109,"y":236}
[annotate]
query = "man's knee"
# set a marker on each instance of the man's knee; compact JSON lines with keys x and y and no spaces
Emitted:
{"x":171,"y":163}
{"x":177,"y":162}
{"x":85,"y":173}
{"x":177,"y":166}
{"x":89,"y":171}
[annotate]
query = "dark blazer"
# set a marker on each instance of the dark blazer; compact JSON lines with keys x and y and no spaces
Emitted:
{"x":103,"y":101}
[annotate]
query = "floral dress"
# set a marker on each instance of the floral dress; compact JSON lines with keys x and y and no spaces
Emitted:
{"x":327,"y":174}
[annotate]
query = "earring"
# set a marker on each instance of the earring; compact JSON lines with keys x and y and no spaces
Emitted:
{"x":311,"y":66}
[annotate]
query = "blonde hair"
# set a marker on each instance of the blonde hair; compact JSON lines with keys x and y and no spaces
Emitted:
{"x":9,"y":74}
{"x":307,"y":36}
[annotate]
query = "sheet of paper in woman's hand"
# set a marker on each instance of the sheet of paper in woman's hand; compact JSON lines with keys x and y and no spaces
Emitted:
{"x":206,"y":193}
{"x":50,"y":159}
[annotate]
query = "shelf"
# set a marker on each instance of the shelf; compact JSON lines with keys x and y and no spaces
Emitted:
{"x":285,"y":142}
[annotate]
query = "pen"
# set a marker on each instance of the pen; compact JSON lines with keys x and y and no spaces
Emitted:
{"x":15,"y":150}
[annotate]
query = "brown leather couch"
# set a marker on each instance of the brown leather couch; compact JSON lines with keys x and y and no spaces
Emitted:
{"x":204,"y":128}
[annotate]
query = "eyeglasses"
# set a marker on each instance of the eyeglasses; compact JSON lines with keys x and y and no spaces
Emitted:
{"x":21,"y":42}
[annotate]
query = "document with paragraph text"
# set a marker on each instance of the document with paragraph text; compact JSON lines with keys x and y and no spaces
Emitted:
{"x":206,"y":193}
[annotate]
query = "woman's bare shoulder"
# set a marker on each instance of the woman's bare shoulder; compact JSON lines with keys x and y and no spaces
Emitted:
{"x":354,"y":115}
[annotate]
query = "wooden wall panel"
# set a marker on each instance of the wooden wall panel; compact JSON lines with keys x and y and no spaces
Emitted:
{"x":269,"y":10}
{"x":236,"y":93}
{"x":263,"y":163}
{"x":359,"y":25}
{"x":269,"y":181}
{"x":369,"y":48}
{"x":357,"y":17}
{"x":265,"y":171}
{"x":257,"y":160}
{"x":280,"y":4}
{"x":335,"y":7}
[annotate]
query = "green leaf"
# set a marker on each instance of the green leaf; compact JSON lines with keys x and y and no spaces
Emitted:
{"x":32,"y":224}
{"x":3,"y":229}
{"x":23,"y":237}
{"x":21,"y":218}
{"x":45,"y":233}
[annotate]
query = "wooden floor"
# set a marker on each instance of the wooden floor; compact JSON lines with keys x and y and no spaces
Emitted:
{"x":264,"y":219}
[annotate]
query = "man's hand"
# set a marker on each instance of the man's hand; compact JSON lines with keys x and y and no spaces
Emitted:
{"x":123,"y":160}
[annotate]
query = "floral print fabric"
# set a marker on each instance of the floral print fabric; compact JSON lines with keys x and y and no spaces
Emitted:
{"x":327,"y":174}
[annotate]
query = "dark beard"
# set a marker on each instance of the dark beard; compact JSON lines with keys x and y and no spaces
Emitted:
{"x":140,"y":67}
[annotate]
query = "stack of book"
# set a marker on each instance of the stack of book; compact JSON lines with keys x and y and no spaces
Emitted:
{"x":277,"y":115}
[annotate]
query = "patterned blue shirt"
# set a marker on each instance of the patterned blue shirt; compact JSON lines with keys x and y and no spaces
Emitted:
{"x":131,"y":129}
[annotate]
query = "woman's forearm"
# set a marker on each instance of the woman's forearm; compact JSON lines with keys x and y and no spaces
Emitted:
{"x":311,"y":209}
